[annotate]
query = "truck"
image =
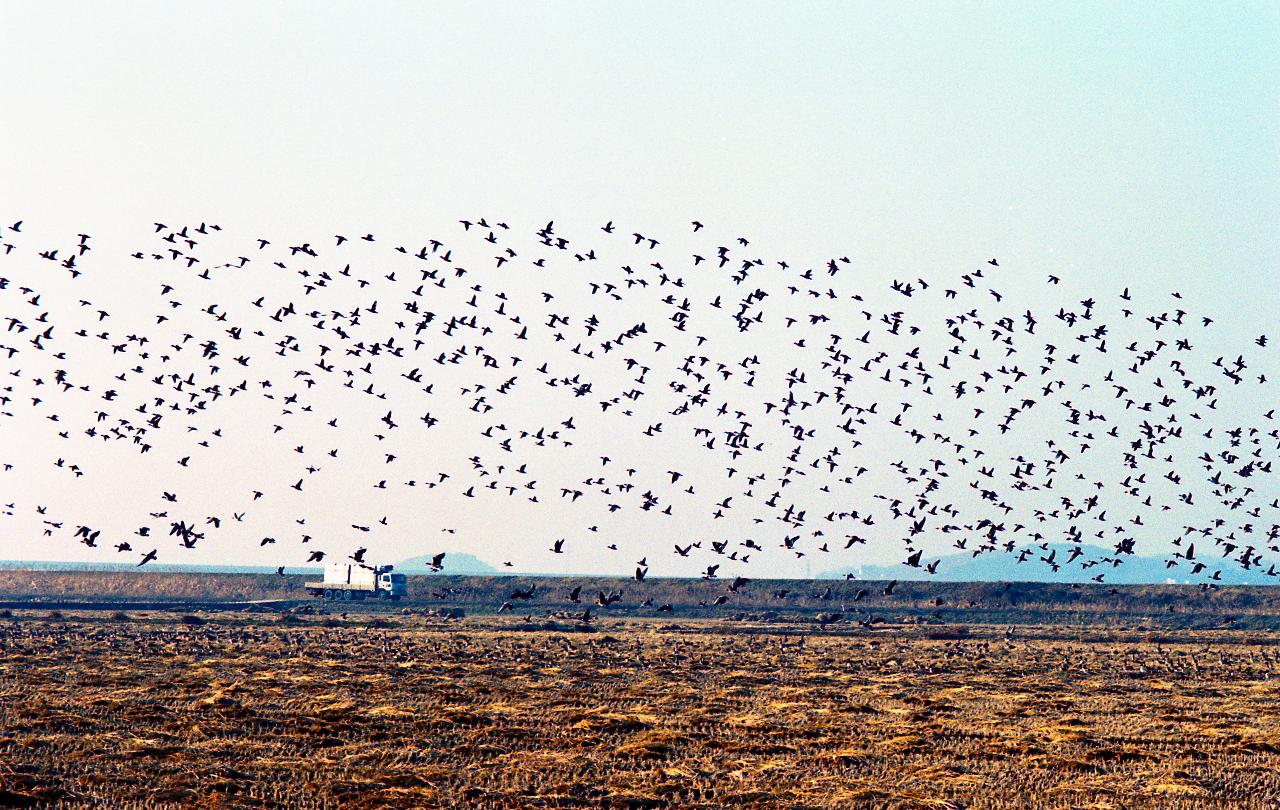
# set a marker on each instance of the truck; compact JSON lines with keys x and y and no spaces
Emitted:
{"x":356,"y":582}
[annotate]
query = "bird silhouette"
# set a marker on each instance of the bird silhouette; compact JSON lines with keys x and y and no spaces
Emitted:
{"x":718,"y":385}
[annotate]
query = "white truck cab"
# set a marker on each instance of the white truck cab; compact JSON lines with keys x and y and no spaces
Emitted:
{"x":349,"y":582}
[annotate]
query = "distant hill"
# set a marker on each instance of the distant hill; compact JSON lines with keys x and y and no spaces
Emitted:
{"x":1004,"y":567}
{"x":455,"y":562}
{"x":989,"y":567}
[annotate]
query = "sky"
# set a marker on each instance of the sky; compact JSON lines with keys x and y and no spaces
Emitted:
{"x":1099,"y":135}
{"x":1105,"y":141}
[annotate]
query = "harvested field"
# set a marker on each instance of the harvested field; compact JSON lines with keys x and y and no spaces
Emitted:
{"x":242,"y":710}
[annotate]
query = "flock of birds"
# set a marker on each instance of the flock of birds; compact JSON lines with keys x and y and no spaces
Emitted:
{"x":682,"y":398}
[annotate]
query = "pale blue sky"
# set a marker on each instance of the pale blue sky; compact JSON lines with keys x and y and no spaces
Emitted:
{"x":1114,"y":143}
{"x":1100,"y":135}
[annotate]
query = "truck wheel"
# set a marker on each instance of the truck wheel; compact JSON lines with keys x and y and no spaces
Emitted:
{"x":346,"y":596}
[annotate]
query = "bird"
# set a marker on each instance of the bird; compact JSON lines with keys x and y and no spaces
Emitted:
{"x":668,"y":350}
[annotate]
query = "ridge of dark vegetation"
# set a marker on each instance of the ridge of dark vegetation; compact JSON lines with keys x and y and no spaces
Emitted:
{"x":825,"y":600}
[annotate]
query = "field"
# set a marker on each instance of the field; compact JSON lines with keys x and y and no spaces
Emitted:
{"x":407,"y":709}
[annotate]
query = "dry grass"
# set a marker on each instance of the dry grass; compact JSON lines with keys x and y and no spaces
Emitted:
{"x":151,"y":711}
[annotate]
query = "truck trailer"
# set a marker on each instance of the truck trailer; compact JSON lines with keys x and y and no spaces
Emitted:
{"x":355,"y":582}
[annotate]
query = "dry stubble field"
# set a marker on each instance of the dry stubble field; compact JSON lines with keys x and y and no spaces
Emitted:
{"x":244,"y":711}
